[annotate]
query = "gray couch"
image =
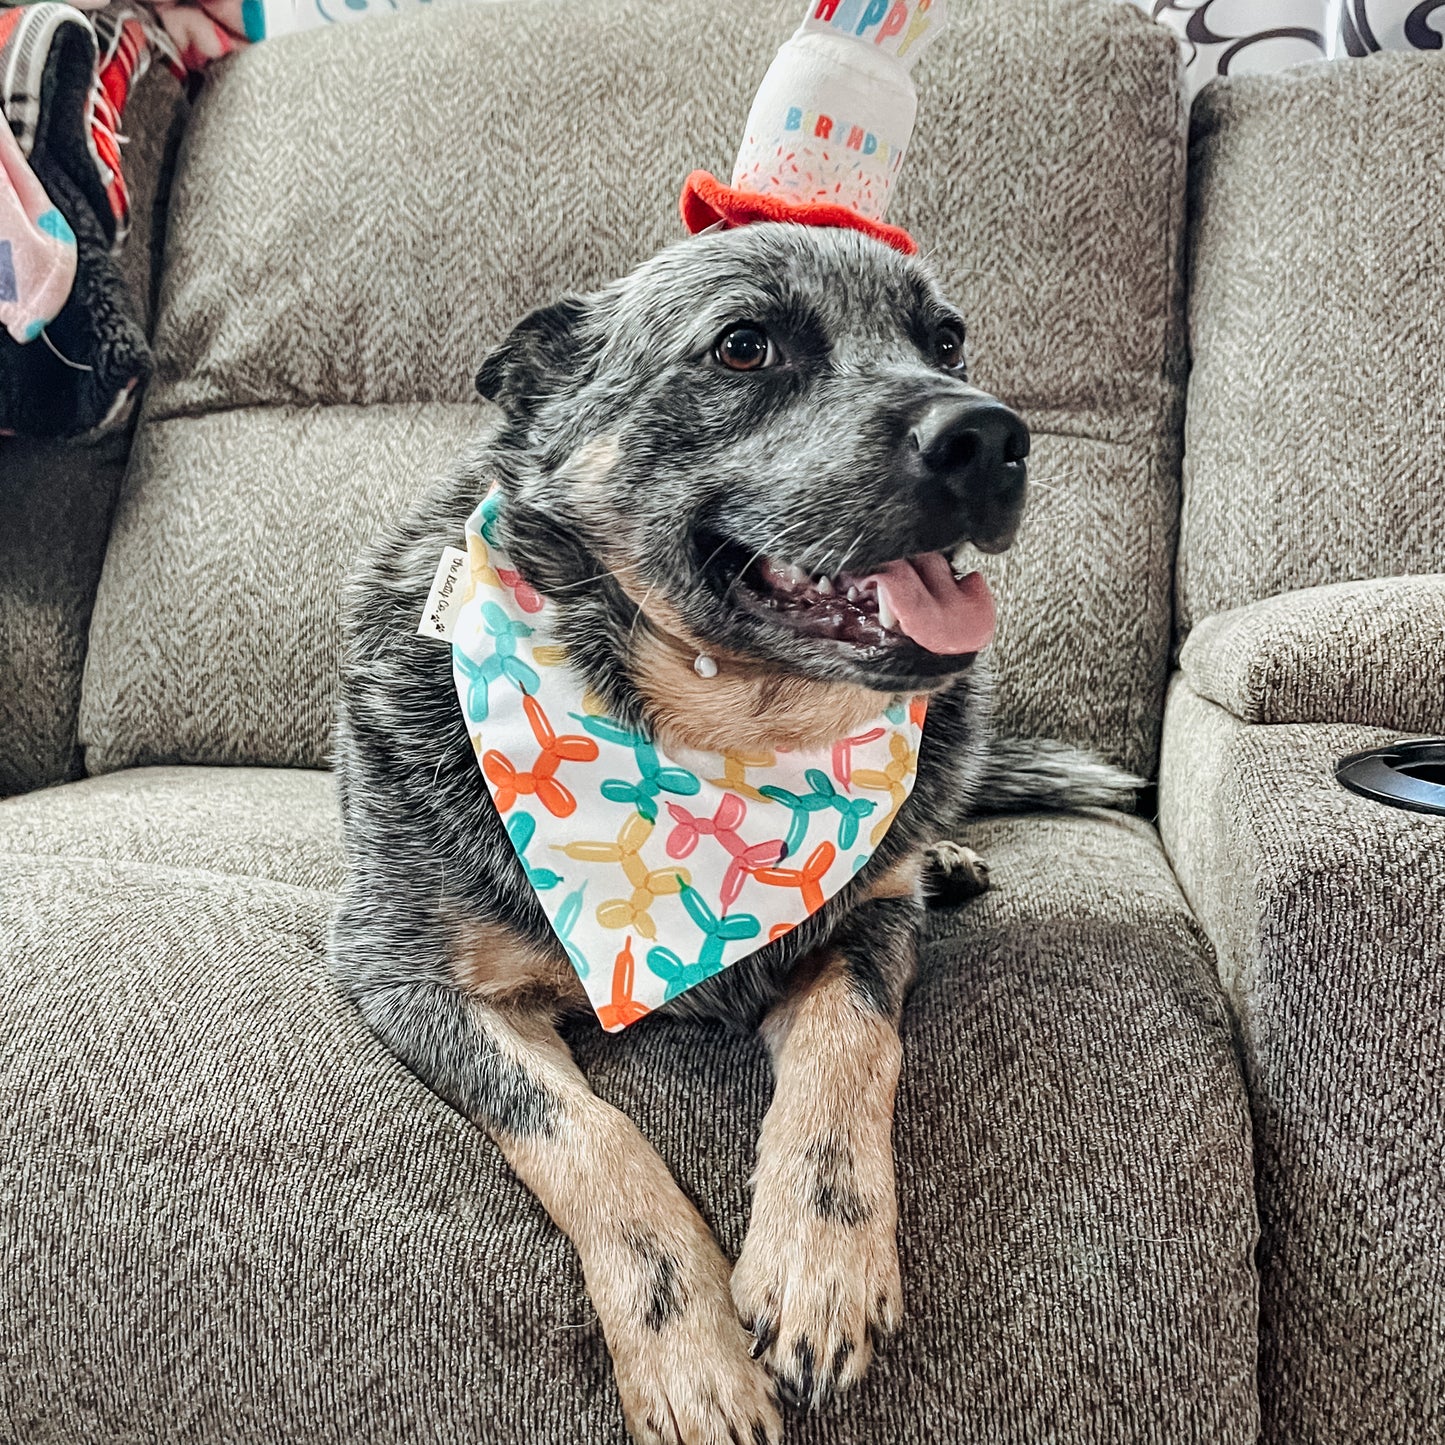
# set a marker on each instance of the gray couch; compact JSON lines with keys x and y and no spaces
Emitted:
{"x":1170,"y":1130}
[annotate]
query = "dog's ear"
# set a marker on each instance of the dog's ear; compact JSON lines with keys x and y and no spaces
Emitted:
{"x":543,"y":351}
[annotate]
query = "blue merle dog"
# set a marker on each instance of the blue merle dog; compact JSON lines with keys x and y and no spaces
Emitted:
{"x":711,"y":456}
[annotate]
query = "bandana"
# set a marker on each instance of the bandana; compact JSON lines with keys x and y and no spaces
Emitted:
{"x":656,"y":870}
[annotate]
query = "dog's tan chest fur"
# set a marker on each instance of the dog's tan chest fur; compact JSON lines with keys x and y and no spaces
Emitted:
{"x":495,"y":963}
{"x":747,"y":705}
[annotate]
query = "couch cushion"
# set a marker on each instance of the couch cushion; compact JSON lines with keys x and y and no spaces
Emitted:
{"x":277,"y":823}
{"x":1328,"y":913}
{"x":1045,"y":180}
{"x":239,"y":1218}
{"x":215,"y":637}
{"x":1347,"y":653}
{"x":1317,"y":329}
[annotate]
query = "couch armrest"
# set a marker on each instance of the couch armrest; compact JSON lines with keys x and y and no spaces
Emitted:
{"x":1327,"y":913}
{"x":1356,"y":652}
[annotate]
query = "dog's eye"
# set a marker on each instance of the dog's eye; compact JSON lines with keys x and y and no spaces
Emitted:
{"x":948,"y":347}
{"x":744,"y":348}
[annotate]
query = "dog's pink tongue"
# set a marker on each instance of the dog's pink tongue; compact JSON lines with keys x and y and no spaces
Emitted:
{"x":946,"y":614}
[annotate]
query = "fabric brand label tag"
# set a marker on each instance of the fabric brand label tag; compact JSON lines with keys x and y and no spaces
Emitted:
{"x":439,"y":616}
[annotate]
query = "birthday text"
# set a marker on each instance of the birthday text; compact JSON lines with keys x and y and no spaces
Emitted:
{"x":845,"y":134}
{"x":895,"y":25}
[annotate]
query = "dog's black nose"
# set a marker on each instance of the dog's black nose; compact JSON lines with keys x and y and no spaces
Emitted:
{"x":973,"y":438}
{"x":971,"y":450}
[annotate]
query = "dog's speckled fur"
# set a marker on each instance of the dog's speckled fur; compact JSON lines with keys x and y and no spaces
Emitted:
{"x":631,"y":462}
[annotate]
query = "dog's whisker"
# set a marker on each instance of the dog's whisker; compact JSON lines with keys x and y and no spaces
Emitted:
{"x":825,"y":571}
{"x":762,"y":551}
{"x":638,"y":614}
{"x":581,"y":582}
{"x":767,"y":548}
{"x":787,"y":531}
{"x":1049,"y":483}
{"x":848,"y":552}
{"x":771,"y":543}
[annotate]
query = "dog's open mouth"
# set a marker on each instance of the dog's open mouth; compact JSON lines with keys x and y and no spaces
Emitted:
{"x":928,"y":601}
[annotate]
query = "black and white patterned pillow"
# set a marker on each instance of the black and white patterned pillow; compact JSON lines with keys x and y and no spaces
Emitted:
{"x":1368,"y":25}
{"x":1248,"y":37}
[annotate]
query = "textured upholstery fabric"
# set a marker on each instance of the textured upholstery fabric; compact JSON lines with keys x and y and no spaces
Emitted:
{"x":238,"y":1218}
{"x":55,"y":505}
{"x":1046,"y":179}
{"x":55,"y":502}
{"x":1356,"y":652}
{"x":278,"y":823}
{"x":1328,"y":914}
{"x":1312,"y":442}
{"x":215,"y":637}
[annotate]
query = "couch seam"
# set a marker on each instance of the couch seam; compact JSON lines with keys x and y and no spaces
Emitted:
{"x":149,"y":865}
{"x":199,"y":413}
{"x":1172,"y":337}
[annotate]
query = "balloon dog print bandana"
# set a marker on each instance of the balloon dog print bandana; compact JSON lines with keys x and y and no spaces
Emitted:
{"x":655,"y":870}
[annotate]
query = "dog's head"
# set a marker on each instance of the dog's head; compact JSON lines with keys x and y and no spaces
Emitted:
{"x":765,"y":440}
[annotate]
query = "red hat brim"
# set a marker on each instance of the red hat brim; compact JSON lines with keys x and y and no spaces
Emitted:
{"x":706,"y":202}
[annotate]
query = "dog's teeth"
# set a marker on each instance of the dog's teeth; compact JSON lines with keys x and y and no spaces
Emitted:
{"x":959,"y":561}
{"x":886,"y":615}
{"x":825,"y":586}
{"x":853,"y":594}
{"x":795,"y":576}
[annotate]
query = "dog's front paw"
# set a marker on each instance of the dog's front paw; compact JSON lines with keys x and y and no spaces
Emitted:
{"x":694,"y":1382}
{"x":817,"y":1292}
{"x":953,"y":874}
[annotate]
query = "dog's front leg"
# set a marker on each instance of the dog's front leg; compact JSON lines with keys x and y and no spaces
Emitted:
{"x":655,"y":1274}
{"x":817,"y":1281}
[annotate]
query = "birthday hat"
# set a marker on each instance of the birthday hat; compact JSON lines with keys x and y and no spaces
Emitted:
{"x":830,"y":124}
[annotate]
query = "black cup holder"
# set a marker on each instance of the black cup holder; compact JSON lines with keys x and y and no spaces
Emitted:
{"x":1405,"y":775}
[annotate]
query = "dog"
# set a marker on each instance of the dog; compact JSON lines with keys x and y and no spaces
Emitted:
{"x":698,"y":461}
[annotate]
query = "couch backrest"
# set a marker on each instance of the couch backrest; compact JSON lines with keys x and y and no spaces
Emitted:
{"x":1315,"y":440}
{"x":362,"y":211}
